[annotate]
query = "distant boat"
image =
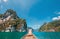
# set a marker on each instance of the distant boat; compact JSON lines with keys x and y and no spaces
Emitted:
{"x":29,"y":35}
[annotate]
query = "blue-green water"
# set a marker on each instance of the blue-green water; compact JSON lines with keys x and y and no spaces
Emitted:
{"x":39,"y":35}
{"x":11,"y":35}
{"x":47,"y":35}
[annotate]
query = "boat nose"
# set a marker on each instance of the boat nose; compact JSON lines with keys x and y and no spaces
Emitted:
{"x":30,"y":31}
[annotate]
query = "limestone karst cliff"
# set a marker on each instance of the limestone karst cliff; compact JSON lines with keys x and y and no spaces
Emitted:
{"x":10,"y":22}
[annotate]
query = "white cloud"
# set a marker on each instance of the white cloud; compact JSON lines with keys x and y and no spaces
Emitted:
{"x":5,"y":0}
{"x":0,"y":1}
{"x":57,"y":12}
{"x":56,"y":18}
{"x":27,"y":3}
{"x":24,"y":5}
{"x":1,"y":7}
{"x":35,"y":26}
{"x":35,"y":23}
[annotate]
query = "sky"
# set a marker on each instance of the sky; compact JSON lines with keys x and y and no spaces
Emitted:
{"x":36,"y":12}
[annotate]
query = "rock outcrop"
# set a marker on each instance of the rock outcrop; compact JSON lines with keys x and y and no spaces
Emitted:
{"x":10,"y":22}
{"x":53,"y":26}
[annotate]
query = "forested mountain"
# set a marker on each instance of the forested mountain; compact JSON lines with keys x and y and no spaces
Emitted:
{"x":53,"y":26}
{"x":10,"y":22}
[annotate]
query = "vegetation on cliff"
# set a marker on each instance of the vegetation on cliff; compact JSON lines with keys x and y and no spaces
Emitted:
{"x":9,"y":21}
{"x":53,"y":26}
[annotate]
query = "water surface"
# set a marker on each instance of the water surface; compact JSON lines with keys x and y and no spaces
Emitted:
{"x":47,"y":35}
{"x":39,"y":35}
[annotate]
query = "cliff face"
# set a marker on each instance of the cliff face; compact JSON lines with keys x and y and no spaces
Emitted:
{"x":53,"y":26}
{"x":10,"y":22}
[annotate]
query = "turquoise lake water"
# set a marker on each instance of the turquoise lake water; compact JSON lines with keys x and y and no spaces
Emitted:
{"x":39,"y":35}
{"x":47,"y":35}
